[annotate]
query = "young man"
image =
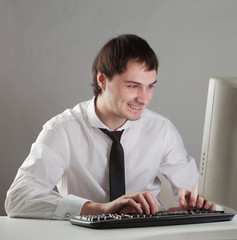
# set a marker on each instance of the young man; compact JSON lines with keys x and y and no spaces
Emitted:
{"x":73,"y":151}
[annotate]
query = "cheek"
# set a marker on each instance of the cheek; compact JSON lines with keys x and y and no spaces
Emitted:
{"x":124,"y":95}
{"x":150,"y":95}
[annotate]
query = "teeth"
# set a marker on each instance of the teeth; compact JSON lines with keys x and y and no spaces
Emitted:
{"x":135,"y":107}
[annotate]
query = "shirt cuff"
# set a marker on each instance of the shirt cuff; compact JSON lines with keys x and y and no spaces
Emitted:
{"x":69,"y":206}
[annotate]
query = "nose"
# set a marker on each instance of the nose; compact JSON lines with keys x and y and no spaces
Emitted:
{"x":144,"y":95}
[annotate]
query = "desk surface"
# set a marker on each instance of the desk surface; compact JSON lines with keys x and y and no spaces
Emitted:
{"x":34,"y":229}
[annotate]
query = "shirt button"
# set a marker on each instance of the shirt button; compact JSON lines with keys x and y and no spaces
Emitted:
{"x":67,"y":215}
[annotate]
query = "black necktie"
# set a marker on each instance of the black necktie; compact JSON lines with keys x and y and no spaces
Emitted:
{"x":116,"y":165}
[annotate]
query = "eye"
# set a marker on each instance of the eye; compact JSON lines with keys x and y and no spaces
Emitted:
{"x":151,"y":86}
{"x":133,"y":86}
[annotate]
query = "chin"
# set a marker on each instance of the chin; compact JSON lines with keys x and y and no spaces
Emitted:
{"x":134,"y":118}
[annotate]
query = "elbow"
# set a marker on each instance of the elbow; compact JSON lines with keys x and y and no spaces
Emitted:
{"x":14,"y":203}
{"x":10,"y":206}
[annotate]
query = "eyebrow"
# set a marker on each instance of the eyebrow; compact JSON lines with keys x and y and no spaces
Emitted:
{"x":138,"y":83}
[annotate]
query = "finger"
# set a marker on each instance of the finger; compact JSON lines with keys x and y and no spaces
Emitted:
{"x":213,"y":207}
{"x":176,"y":208}
{"x":193,"y":196}
{"x":208,"y":205}
{"x":144,"y":200}
{"x":182,"y":196}
{"x":127,"y":209}
{"x":200,"y":202}
{"x":152,"y":202}
{"x":131,"y":204}
{"x":156,"y":204}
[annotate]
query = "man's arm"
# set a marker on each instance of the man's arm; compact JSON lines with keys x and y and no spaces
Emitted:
{"x":31,"y":194}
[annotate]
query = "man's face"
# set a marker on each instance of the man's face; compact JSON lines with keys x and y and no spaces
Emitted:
{"x":126,"y":95}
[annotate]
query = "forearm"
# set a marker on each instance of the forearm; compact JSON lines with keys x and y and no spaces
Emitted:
{"x":90,"y":208}
{"x":23,"y":201}
{"x":31,"y":202}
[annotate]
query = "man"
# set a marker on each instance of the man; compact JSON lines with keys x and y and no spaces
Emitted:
{"x":72,"y":151}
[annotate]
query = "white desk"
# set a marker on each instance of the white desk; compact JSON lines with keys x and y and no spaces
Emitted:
{"x":34,"y":229}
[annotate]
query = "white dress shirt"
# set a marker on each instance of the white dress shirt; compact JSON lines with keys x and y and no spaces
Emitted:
{"x":72,"y":153}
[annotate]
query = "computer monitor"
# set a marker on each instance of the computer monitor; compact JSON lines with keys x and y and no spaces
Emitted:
{"x":218,"y":165}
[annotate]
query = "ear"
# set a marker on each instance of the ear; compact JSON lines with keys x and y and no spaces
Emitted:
{"x":101,"y":80}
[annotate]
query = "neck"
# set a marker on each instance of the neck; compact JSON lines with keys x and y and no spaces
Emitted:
{"x":106,"y":116}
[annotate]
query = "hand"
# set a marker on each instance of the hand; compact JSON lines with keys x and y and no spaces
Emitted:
{"x":189,"y":200}
{"x":142,"y":202}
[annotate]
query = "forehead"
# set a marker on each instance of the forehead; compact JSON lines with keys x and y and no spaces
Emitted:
{"x":137,"y":72}
{"x":134,"y":65}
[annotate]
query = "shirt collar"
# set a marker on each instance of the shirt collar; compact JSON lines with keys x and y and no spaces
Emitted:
{"x":96,"y":122}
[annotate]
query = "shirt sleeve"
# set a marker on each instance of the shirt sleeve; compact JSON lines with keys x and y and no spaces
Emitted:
{"x":177,"y":166}
{"x":32,"y":193}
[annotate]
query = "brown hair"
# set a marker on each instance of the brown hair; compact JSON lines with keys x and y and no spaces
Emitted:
{"x":114,"y":56}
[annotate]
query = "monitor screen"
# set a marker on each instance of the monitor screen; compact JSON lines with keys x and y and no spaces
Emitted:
{"x":218,"y":165}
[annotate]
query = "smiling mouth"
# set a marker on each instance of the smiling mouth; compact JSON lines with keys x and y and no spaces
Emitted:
{"x":135,"y":107}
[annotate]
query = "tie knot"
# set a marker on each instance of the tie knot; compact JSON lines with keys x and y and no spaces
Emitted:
{"x":114,"y":135}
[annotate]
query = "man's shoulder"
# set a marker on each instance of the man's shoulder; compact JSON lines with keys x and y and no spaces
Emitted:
{"x":151,"y":115}
{"x":156,"y":121}
{"x":77,"y":113}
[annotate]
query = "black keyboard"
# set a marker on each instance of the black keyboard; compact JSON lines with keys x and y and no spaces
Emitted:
{"x":162,"y":218}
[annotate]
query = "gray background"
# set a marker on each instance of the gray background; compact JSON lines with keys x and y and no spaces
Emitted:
{"x":47,"y":48}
